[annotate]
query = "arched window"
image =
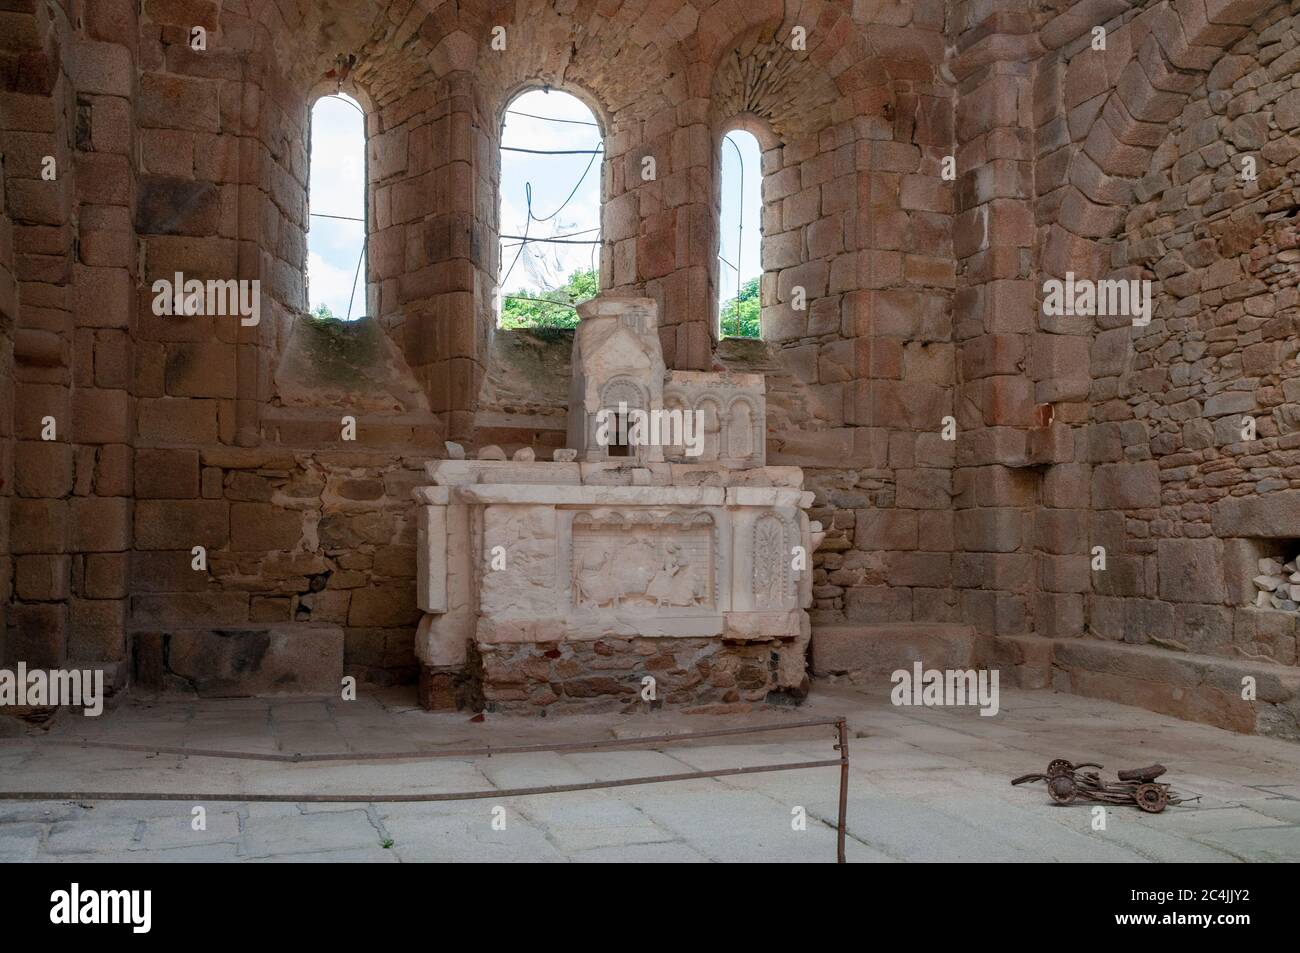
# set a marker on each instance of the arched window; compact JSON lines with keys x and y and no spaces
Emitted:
{"x":336,"y":236}
{"x":551,"y":152}
{"x":740,"y":268}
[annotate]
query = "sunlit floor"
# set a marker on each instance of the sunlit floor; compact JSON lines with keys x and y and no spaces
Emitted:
{"x":925,"y":784}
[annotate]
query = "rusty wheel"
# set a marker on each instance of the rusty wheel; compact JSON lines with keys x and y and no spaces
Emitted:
{"x":1058,"y":767}
{"x":1152,"y":798}
{"x":1062,"y":789}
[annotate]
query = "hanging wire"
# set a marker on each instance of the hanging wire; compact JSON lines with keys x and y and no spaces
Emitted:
{"x":557,"y":239}
{"x":528,"y":199}
{"x":345,"y":99}
{"x":558,"y":304}
{"x":525,"y":240}
{"x":575,"y":122}
{"x":342,"y":218}
{"x":552,"y":152}
{"x":355,"y":276}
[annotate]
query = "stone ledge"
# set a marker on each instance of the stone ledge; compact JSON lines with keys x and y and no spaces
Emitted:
{"x":885,"y":647}
{"x":1201,"y":688}
{"x":288,"y":659}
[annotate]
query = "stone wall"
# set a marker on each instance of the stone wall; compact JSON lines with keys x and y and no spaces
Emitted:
{"x":1171,"y":401}
{"x":308,"y":538}
{"x":608,"y":675}
{"x":923,"y":301}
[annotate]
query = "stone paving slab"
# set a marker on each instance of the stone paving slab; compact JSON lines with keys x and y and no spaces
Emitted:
{"x":926,"y":784}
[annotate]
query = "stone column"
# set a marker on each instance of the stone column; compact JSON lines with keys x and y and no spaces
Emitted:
{"x":994,"y":319}
{"x":432,"y":244}
{"x":37,"y":113}
{"x":103,"y":59}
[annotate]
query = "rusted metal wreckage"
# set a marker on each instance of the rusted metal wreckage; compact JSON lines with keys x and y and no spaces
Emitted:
{"x":1067,"y":782}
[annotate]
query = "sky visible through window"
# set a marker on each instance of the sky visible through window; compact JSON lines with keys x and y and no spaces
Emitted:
{"x":336,"y":271}
{"x":566,"y":198}
{"x":739,"y":234}
{"x":562,"y":177}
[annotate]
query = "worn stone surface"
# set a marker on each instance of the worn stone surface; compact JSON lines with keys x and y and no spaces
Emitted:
{"x":609,"y":675}
{"x":925,"y":784}
{"x":241,"y":660}
{"x":889,"y":647}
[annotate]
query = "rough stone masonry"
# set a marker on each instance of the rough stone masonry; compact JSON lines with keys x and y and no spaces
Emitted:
{"x":1076,"y":497}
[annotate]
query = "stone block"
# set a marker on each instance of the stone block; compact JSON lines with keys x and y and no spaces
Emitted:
{"x":1268,"y":516}
{"x":38,"y":526}
{"x":1191,"y":570}
{"x":100,"y":415}
{"x":42,"y":577}
{"x":924,"y":489}
{"x":1025,"y":661}
{"x":166,"y":571}
{"x":104,"y":575}
{"x":285,"y":659}
{"x":1173,"y":683}
{"x":883,"y":648}
{"x":261,"y":527}
{"x":1205,"y":629}
{"x":114,"y":470}
{"x":97,"y":630}
{"x":200,"y":370}
{"x":101,"y":524}
{"x":178,"y":420}
{"x":886,"y":529}
{"x":932,"y":570}
{"x":1058,"y":614}
{"x":997,"y":530}
{"x":1126,"y":485}
{"x":181,"y":524}
{"x":37,"y":634}
{"x":43,"y":469}
{"x":167,"y":474}
{"x":878,"y":604}
{"x":384,"y":605}
{"x":172,"y":101}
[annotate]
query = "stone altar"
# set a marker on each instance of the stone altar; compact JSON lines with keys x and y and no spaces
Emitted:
{"x":619,"y":574}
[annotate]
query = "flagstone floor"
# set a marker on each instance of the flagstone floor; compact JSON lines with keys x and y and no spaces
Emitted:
{"x":925,"y":785}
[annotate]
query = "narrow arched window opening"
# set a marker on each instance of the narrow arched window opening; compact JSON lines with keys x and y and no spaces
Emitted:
{"x":551,"y":152}
{"x":740,"y":267}
{"x":336,"y":236}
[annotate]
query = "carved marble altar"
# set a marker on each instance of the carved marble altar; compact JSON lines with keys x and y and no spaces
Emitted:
{"x":521,"y":560}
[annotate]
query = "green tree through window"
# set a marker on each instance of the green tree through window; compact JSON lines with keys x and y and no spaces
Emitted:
{"x":529,"y":308}
{"x":739,"y":314}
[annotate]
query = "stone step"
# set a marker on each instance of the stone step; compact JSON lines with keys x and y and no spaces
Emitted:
{"x":1203,"y":688}
{"x":280,"y":659}
{"x":884,"y":647}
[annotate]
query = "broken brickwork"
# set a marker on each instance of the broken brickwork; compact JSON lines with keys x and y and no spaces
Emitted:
{"x":924,"y":302}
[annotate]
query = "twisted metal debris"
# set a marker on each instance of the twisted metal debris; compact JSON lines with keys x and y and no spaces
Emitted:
{"x":1067,"y":782}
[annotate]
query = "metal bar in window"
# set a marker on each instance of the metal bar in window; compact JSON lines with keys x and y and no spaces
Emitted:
{"x":526,"y":239}
{"x":574,"y":122}
{"x":554,"y":152}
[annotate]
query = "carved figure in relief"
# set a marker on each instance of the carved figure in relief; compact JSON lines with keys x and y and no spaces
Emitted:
{"x":593,"y":581}
{"x":674,"y":584}
{"x":606,"y":574}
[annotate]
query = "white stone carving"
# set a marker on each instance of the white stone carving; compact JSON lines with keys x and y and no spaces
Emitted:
{"x":525,"y":550}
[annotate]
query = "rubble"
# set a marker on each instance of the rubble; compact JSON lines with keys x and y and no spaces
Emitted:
{"x":1278,"y":584}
